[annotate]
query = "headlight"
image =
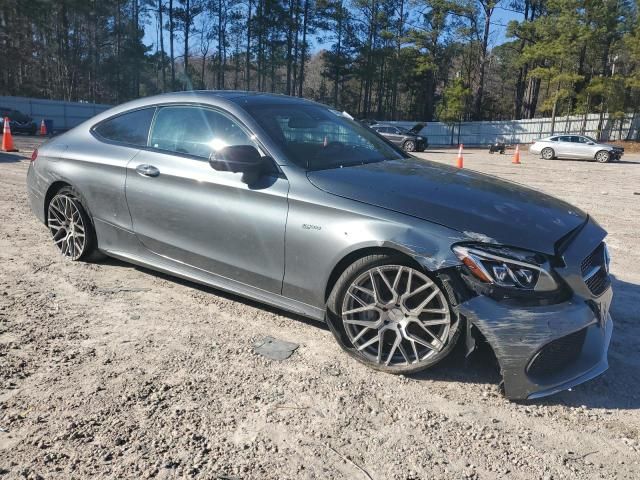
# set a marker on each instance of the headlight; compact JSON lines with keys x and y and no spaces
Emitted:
{"x":507,"y":268}
{"x":420,"y":139}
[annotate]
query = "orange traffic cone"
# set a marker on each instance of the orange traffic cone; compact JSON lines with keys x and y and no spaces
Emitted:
{"x":7,"y":139}
{"x":460,"y":158}
{"x":516,"y":156}
{"x":43,"y":128}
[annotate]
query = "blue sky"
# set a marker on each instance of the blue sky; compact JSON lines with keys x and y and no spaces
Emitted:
{"x":501,"y":16}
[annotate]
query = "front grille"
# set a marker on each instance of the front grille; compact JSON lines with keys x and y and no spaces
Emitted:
{"x":594,"y":271}
{"x":554,"y":356}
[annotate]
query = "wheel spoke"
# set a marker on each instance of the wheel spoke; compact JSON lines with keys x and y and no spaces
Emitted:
{"x":425,"y":302}
{"x":396,"y":280}
{"x":404,"y":353}
{"x":362,"y":332}
{"x":438,"y":344}
{"x":361,"y":323}
{"x":358,"y":299}
{"x":423,"y":342}
{"x":430,"y":323}
{"x":420,"y":289}
{"x":435,"y":310}
{"x":376,"y":296}
{"x":386,"y":282}
{"x":370,"y":342}
{"x":393,"y":348}
{"x":366,"y":308}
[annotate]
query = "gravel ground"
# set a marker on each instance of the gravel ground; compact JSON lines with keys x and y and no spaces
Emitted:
{"x":108,"y":370}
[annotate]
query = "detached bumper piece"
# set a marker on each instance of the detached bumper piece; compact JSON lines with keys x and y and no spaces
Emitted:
{"x":543,"y":350}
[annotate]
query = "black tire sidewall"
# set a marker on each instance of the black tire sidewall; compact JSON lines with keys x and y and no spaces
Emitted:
{"x":334,"y":310}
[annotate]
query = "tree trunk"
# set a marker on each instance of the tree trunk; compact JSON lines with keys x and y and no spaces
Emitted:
{"x":488,"y":11}
{"x":162,"y":63}
{"x":187,"y":30}
{"x":303,"y":49}
{"x":247,"y":80}
{"x":171,"y":52}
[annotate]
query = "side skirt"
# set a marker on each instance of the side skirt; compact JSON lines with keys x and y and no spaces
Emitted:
{"x":111,"y":240}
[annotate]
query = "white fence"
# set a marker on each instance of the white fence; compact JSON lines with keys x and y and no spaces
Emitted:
{"x":527,"y":131}
{"x":65,"y":115}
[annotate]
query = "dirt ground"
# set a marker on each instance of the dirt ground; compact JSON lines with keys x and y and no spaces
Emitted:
{"x":108,"y":370}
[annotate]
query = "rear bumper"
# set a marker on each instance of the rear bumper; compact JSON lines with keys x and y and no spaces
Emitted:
{"x":36,"y":198}
{"x":519,"y":335}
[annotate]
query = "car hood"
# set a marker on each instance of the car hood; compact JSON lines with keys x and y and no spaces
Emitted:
{"x":417,"y":128}
{"x":482,"y":207}
{"x":614,"y":147}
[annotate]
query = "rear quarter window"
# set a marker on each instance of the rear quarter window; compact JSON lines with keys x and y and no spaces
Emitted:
{"x":131,"y":128}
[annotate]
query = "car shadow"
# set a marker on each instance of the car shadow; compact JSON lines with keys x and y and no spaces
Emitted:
{"x":220,"y":293}
{"x":583,"y":160}
{"x":618,"y":388}
{"x":11,"y":157}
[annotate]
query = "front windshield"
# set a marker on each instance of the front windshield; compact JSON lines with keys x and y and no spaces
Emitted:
{"x":316,"y":138}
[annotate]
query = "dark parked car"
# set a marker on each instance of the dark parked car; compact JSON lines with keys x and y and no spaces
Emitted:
{"x":409,"y":140}
{"x":293,"y":204}
{"x":18,"y":121}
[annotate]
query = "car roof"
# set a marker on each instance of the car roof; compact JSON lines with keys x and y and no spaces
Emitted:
{"x":237,"y":96}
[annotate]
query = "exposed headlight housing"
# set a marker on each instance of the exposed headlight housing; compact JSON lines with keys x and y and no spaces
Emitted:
{"x":507,"y":268}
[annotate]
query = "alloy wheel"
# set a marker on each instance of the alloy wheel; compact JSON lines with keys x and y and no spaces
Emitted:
{"x":396,"y":316}
{"x":547,"y":154}
{"x":602,"y":156}
{"x":409,"y":146}
{"x":67,"y":226}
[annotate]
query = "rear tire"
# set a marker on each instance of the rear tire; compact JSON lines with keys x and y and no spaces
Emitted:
{"x":406,"y":326}
{"x":603,"y":156}
{"x":409,"y":146}
{"x":71,"y":226}
{"x":547,"y":153}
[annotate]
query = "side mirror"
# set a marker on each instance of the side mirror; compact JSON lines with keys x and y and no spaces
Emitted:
{"x":236,"y":158}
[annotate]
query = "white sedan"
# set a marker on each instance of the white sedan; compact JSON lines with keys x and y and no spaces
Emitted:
{"x":575,"y":147}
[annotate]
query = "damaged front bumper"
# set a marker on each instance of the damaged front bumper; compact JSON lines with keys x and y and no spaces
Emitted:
{"x":544,"y":350}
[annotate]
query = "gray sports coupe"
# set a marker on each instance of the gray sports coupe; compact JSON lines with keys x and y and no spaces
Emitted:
{"x":296,"y":205}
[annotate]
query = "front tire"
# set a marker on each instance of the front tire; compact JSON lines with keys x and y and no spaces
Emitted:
{"x":392,"y":316}
{"x":547,"y":153}
{"x":70,"y":226}
{"x":409,"y":146}
{"x":603,"y":156}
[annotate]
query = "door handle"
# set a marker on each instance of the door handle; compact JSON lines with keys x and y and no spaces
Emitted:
{"x":147,"y":170}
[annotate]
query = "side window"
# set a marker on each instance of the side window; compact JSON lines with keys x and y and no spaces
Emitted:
{"x":131,"y":128}
{"x":554,"y":139}
{"x":195,"y":131}
{"x":564,"y":139}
